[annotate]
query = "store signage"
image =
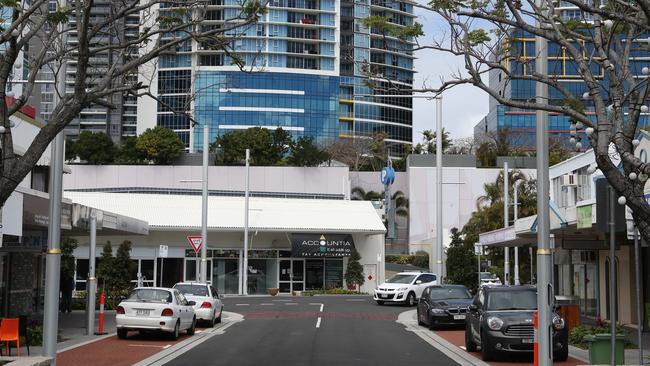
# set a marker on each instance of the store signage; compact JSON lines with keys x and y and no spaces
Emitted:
{"x":163,"y":251}
{"x":584,"y":217}
{"x":321,"y":246}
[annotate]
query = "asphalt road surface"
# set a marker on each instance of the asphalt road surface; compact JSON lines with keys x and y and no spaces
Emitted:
{"x":319,"y":330}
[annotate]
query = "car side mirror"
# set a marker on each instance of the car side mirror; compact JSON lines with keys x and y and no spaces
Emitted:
{"x":191,"y":303}
{"x":473,"y":308}
{"x":418,"y":282}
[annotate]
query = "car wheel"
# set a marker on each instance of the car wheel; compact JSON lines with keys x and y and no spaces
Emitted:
{"x":122,"y":333}
{"x":175,"y":334}
{"x":218,"y":320}
{"x":470,"y":346}
{"x":432,"y":324}
{"x":561,"y":355}
{"x":379,"y":302}
{"x":420,"y":322}
{"x":487,"y":353}
{"x":192,"y":329}
{"x":410,"y":299}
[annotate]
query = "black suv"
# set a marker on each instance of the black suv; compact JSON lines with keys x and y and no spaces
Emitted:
{"x":501,"y":319}
{"x":443,"y":305}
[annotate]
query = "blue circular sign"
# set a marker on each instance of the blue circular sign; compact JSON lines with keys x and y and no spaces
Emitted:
{"x":388,"y":175}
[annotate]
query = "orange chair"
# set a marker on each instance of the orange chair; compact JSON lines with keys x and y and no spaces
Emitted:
{"x":9,"y":332}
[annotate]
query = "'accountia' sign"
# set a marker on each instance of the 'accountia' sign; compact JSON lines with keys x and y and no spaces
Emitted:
{"x":321,"y":246}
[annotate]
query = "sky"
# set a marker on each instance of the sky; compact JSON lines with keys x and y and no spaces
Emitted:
{"x":462,"y":106}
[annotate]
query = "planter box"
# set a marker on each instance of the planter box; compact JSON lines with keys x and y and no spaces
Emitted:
{"x":272,"y":291}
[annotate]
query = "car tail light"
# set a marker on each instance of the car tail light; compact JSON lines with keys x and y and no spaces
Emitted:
{"x":120,"y":310}
{"x":167,"y":312}
{"x":206,"y":305}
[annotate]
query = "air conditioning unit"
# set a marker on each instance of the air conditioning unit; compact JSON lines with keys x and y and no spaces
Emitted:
{"x":569,"y":180}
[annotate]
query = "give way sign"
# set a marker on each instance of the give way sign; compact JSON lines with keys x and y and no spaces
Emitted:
{"x":196,"y":242}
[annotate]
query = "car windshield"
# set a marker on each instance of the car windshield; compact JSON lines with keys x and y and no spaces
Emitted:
{"x":486,"y":276}
{"x":449,"y":293}
{"x":193,"y":290}
{"x":512,"y":300}
{"x":401,"y":278}
{"x":150,"y":295}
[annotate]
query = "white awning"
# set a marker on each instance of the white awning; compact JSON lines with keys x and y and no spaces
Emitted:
{"x":182,"y":212}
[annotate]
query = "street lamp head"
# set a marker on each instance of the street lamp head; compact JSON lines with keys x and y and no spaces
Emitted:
{"x":585,"y":95}
{"x":635,"y":142}
{"x":644,"y":108}
{"x":589,"y":131}
{"x":645,"y":70}
{"x":622,"y":200}
{"x":579,"y":125}
{"x":579,"y":145}
{"x":632,"y":176}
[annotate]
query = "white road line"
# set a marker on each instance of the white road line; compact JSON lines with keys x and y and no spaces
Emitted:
{"x":242,"y":304}
{"x":266,"y":304}
{"x":356,"y":300}
{"x":463,"y":347}
{"x":149,"y":345}
{"x":281,"y":300}
{"x":315,"y":303}
{"x":318,"y":322}
{"x":291,"y":303}
{"x":198,"y":331}
{"x":167,"y":346}
{"x":321,"y":307}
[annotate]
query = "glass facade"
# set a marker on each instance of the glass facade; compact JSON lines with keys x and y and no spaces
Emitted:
{"x":310,"y":63}
{"x":520,"y":124}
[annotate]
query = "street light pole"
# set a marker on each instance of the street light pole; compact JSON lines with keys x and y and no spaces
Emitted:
{"x":53,"y":256}
{"x":204,"y":208}
{"x":246,"y":194}
{"x":544,"y":260}
{"x":506,"y":219}
{"x":91,"y":284}
{"x":439,"y":234}
{"x":516,"y":214}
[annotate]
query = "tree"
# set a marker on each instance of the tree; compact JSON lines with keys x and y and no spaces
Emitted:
{"x":129,"y":153}
{"x":603,"y":49}
{"x":106,"y":266}
{"x":160,"y":144}
{"x":428,"y":144}
{"x":95,"y":148}
{"x":493,"y":145}
{"x":36,"y":35}
{"x":267,"y":148}
{"x":360,"y":194}
{"x":462,"y":146}
{"x":305,"y":153}
{"x":114,"y":272}
{"x":461,"y":262}
{"x":354,"y":271}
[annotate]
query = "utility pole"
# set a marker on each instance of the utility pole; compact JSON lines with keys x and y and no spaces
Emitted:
{"x":516,"y":216}
{"x":545,"y":291}
{"x":613,"y":299}
{"x":506,"y":223}
{"x":203,"y":278}
{"x":91,"y":284}
{"x":246,"y":194}
{"x":439,"y":231}
{"x":53,"y":256}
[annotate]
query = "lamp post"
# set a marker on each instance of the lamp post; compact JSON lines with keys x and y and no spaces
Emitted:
{"x":439,"y":242}
{"x":544,"y":260}
{"x":516,"y":216}
{"x":246,"y":194}
{"x":506,"y":219}
{"x":204,"y":208}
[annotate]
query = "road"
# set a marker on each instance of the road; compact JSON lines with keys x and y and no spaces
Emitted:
{"x":319,"y":330}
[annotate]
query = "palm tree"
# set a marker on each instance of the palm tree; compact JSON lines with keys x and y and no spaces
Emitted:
{"x":401,"y":202}
{"x":359,"y":194}
{"x":526,"y":193}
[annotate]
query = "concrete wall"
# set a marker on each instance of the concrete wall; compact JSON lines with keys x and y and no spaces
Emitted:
{"x":625,"y":279}
{"x":326,"y":180}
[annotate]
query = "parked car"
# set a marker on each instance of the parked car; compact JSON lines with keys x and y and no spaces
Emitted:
{"x":500,"y":319}
{"x":404,"y":287}
{"x":489,"y":279}
{"x":208,"y":306}
{"x":155,"y":309}
{"x":443,"y":305}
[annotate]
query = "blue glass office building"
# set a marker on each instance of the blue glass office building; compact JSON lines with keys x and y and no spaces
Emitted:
{"x":306,"y":68}
{"x":520,"y":124}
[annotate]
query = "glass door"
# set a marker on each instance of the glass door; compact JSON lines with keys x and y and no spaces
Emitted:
{"x":292,"y":275}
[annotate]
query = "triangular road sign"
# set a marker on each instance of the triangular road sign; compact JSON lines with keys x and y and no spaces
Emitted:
{"x":196,"y":242}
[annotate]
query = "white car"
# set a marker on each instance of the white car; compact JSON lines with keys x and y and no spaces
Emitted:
{"x":155,"y":309}
{"x":489,"y":279}
{"x":404,"y":287}
{"x":208,"y":306}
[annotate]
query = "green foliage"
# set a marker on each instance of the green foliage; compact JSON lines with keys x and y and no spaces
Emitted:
{"x":254,"y":9}
{"x":420,"y":259}
{"x":384,"y":25}
{"x":477,"y":36}
{"x":59,"y":16}
{"x":428,"y":144}
{"x":331,"y":291}
{"x":461,"y":262}
{"x":440,"y":5}
{"x":68,"y":245}
{"x":95,"y":148}
{"x":354,"y":271}
{"x":129,"y":153}
{"x":160,"y":144}
{"x":578,"y":333}
{"x":114,"y":272}
{"x":305,"y":153}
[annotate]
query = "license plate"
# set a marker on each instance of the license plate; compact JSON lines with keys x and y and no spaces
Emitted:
{"x":383,"y":296}
{"x":459,"y":317}
{"x":142,"y":312}
{"x":527,"y":340}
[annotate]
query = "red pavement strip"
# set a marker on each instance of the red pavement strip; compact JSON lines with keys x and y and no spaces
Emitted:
{"x":113,"y":351}
{"x":457,"y":338}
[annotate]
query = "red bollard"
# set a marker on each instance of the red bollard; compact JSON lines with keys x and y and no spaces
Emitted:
{"x":102,"y":300}
{"x":535,"y":339}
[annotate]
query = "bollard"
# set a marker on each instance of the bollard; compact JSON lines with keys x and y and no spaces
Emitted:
{"x":102,"y":299}
{"x":535,"y":339}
